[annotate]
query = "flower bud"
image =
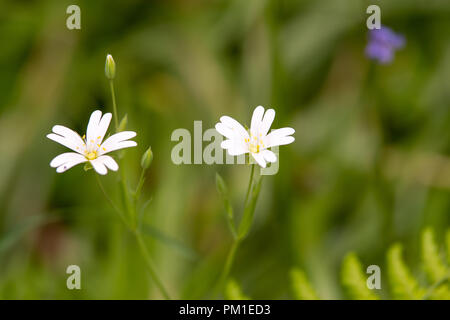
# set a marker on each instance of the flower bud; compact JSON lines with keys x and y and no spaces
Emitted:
{"x":147,"y":158}
{"x":110,"y":67}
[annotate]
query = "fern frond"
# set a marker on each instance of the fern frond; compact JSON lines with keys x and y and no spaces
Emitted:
{"x":234,"y":292}
{"x":354,"y":279}
{"x":301,"y":287}
{"x":435,"y":268}
{"x":403,"y":284}
{"x":433,"y":264}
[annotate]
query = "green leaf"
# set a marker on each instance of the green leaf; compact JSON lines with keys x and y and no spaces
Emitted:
{"x":403,"y":284}
{"x":233,"y":291}
{"x":169,"y":241}
{"x":354,"y":279}
{"x":301,"y":287}
{"x":249,"y":211}
{"x":123,"y":123}
{"x":223,"y":191}
{"x":433,"y":264}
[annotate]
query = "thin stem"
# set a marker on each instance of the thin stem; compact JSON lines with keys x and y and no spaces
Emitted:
{"x":131,"y":210}
{"x":137,"y":192}
{"x":115,"y":207}
{"x":237,"y":240}
{"x":116,"y":115}
{"x":151,"y":268}
{"x":252,"y":172}
{"x":228,"y":264}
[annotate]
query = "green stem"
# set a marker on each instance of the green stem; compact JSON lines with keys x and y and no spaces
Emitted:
{"x":137,"y":192}
{"x":115,"y":207}
{"x":131,"y":209}
{"x":151,"y":268}
{"x":228,"y":264}
{"x":113,"y":94}
{"x":244,"y":225}
{"x":252,"y":172}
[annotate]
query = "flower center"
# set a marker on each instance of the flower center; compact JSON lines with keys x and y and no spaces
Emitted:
{"x":255,"y":144}
{"x":91,"y":155}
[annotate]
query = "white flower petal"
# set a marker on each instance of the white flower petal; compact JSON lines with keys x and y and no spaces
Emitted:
{"x":103,"y":127}
{"x":267,"y":121}
{"x":70,"y":135}
{"x":234,"y":147}
{"x":69,"y":143}
{"x":224,"y":130}
{"x":109,"y":162}
{"x":235,"y":126}
{"x":256,"y":120}
{"x":269,"y":156}
{"x":66,"y":157}
{"x":92,"y":128}
{"x":279,"y":137}
{"x":99,"y":166}
{"x":65,"y":161}
{"x":117,"y":141}
{"x":259,"y":159}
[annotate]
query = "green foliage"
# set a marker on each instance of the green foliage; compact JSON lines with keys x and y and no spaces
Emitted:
{"x":234,"y":292}
{"x":301,"y":287}
{"x":434,"y":267}
{"x":223,"y":191}
{"x":354,"y":279}
{"x":447,"y":240}
{"x":249,"y":210}
{"x":403,"y":284}
{"x":433,"y":264}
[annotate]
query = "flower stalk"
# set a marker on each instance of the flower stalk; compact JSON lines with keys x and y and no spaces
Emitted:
{"x":131,"y":200}
{"x":244,"y":225}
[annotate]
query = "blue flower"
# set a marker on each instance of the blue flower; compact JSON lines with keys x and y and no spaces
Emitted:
{"x":383,"y":43}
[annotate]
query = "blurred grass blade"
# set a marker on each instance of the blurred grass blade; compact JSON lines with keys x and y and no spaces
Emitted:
{"x":301,"y":287}
{"x":16,"y":233}
{"x":354,"y":279}
{"x":169,"y":241}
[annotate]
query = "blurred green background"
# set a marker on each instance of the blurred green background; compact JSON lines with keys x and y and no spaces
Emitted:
{"x":370,"y":165}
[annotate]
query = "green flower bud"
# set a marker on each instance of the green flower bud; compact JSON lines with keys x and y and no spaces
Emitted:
{"x":147,"y":158}
{"x":110,"y":67}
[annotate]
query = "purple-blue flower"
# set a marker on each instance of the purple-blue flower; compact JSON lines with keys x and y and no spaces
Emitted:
{"x":383,"y":43}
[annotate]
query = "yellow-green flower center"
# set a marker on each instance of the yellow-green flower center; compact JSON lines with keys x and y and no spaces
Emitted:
{"x":255,"y":144}
{"x":91,"y":155}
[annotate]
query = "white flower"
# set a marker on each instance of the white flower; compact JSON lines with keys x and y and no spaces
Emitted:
{"x":256,"y":140}
{"x":90,"y":149}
